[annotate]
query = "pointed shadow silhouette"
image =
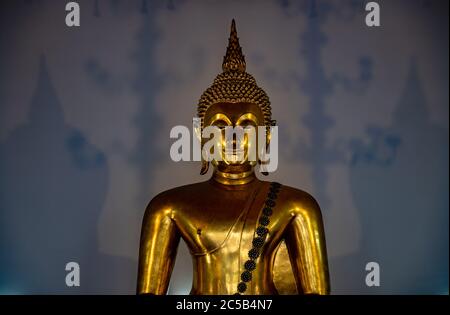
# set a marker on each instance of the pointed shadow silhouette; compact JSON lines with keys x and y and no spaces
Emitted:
{"x":399,"y":184}
{"x":52,"y":190}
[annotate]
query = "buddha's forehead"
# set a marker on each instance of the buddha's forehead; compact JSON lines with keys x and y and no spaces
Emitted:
{"x":234,"y":110}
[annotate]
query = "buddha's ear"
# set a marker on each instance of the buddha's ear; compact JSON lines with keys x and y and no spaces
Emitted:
{"x":269,"y":133}
{"x":262,"y":167}
{"x":205,"y":163}
{"x":268,"y":136}
{"x":197,"y":126}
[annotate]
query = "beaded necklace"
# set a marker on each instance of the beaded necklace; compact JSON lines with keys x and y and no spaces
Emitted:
{"x":259,"y":237}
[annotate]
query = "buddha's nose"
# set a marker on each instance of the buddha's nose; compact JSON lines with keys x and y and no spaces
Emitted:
{"x":230,"y":144}
{"x":233,"y":144}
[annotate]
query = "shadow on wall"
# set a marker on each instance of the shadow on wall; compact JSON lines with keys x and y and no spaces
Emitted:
{"x":52,"y":190}
{"x":398,"y":181}
{"x":402,"y":195}
{"x":318,"y":87}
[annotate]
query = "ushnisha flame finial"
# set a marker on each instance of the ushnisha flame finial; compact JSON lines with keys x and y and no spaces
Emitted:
{"x":233,"y":60}
{"x":234,"y":84}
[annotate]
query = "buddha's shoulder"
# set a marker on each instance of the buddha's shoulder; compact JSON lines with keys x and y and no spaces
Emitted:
{"x":297,"y":201}
{"x":178,"y":195}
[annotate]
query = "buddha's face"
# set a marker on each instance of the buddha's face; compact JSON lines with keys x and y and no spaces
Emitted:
{"x":235,"y":150}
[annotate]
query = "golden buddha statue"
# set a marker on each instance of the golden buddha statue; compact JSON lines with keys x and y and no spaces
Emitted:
{"x":245,"y":235}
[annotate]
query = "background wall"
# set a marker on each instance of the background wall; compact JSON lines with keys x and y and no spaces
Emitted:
{"x":85,"y":115}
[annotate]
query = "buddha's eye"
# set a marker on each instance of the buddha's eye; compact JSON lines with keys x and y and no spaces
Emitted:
{"x":220,"y":124}
{"x":247,"y":122}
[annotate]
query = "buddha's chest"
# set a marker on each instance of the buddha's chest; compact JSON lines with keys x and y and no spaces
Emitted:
{"x":227,"y":228}
{"x":210,"y":230}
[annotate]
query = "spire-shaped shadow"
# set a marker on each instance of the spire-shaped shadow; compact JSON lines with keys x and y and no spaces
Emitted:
{"x":318,"y":87}
{"x":400,"y":186}
{"x":52,"y":190}
{"x":147,"y":84}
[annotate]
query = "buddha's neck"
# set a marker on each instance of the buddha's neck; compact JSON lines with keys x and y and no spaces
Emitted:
{"x":239,"y":175}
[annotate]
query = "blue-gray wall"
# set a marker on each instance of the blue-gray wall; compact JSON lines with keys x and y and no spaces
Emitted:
{"x":85,"y":115}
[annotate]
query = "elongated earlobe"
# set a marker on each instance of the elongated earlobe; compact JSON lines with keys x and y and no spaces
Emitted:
{"x":261,"y":168}
{"x":205,"y":167}
{"x":205,"y":163}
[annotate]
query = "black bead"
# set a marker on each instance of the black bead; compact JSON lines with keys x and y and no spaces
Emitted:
{"x":258,"y":242}
{"x":272,"y":195}
{"x":250,"y":265}
{"x":242,"y":287}
{"x":274,"y":190}
{"x":270,"y":203}
{"x":246,"y":276}
{"x":267,"y":211}
{"x":253,"y":253}
{"x":264,"y":220}
{"x":275,"y":184}
{"x":261,"y":231}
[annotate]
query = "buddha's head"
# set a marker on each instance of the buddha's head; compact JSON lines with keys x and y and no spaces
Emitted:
{"x":235,"y":100}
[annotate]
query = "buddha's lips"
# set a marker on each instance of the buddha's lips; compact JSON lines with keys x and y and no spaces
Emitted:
{"x":235,"y":152}
{"x":235,"y":156}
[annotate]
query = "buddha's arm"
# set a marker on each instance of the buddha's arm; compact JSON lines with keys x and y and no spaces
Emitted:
{"x":305,"y":241}
{"x":158,"y":248}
